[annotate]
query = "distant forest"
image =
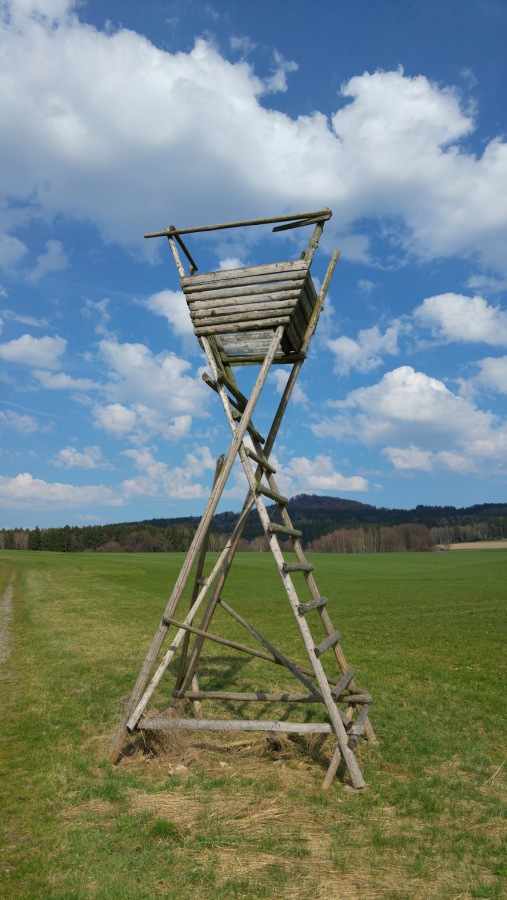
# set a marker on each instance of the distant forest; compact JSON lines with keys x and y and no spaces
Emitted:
{"x":329,"y":525}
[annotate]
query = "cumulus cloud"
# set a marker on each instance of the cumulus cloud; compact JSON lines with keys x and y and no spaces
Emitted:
{"x":90,"y":458}
{"x":493,"y":374}
{"x":45,"y":351}
{"x":419,"y":420}
{"x":366,"y":353}
{"x":454,"y":317}
{"x":115,"y":419}
{"x":172,"y":305}
{"x":84,"y":110}
{"x":26,"y":492}
{"x":319,"y":474}
{"x":12,"y":250}
{"x":279,"y":378}
{"x":23,"y":424}
{"x":53,"y":260}
{"x":57,"y":381}
{"x":156,"y":478}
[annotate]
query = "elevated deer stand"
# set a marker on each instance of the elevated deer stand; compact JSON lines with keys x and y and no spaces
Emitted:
{"x":258,"y":316}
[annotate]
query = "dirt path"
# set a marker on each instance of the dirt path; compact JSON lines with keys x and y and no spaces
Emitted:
{"x":5,"y":624}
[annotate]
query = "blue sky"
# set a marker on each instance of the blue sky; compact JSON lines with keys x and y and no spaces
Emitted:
{"x":120,"y":118}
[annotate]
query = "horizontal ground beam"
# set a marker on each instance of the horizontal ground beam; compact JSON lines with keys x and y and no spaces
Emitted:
{"x":160,"y":724}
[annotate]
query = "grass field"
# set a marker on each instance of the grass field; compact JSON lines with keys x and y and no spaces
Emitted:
{"x":220,"y":817}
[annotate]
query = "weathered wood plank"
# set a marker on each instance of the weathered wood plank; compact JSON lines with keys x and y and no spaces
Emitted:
{"x":294,"y":285}
{"x":269,"y":269}
{"x":256,"y":309}
{"x":157,"y":723}
{"x":228,"y":328}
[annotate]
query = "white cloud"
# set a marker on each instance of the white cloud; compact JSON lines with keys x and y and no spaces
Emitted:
{"x":420,"y":421}
{"x":172,"y":305}
{"x":365,"y":353}
{"x":26,"y":492}
{"x":230,"y":262}
{"x":53,"y":260}
{"x":493,"y":374}
{"x":409,"y":458}
{"x":91,"y":458}
{"x":158,"y":479}
{"x":30,"y":351}
{"x":61,"y":381}
{"x":21,"y":423}
{"x":279,"y":378}
{"x":98,"y":312}
{"x":319,"y":474}
{"x":115,"y":419}
{"x":150,"y":394}
{"x":86,"y":112}
{"x":454,"y":317}
{"x":12,"y":250}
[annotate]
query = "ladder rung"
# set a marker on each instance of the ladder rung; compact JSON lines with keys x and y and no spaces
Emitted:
{"x":236,"y":415}
{"x":260,"y":460}
{"x":273,"y":495}
{"x":274,"y":528}
{"x":298,"y":567}
{"x":330,"y":641}
{"x":236,"y":393}
{"x":343,"y":682}
{"x":313,"y":604}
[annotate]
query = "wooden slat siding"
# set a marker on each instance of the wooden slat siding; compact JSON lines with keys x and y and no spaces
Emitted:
{"x":328,"y":642}
{"x":270,"y":269}
{"x":234,"y":327}
{"x":256,"y":311}
{"x":303,"y":608}
{"x":229,"y":295}
{"x":156,"y":723}
{"x":343,"y":682}
{"x":261,"y":308}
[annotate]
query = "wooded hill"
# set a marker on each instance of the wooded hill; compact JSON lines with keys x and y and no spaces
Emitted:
{"x":316,"y":516}
{"x":329,"y":524}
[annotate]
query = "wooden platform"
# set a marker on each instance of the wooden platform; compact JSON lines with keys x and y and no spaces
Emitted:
{"x":243,"y":307}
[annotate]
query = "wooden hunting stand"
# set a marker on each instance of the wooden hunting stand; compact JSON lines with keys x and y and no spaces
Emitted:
{"x":256,"y":316}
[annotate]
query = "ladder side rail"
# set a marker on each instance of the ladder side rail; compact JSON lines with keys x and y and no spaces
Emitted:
{"x":333,"y":712}
{"x":193,"y":551}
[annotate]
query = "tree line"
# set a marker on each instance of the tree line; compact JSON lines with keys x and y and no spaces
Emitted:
{"x":329,"y":525}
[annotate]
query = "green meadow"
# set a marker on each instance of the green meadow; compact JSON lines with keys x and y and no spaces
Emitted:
{"x":227,"y":816}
